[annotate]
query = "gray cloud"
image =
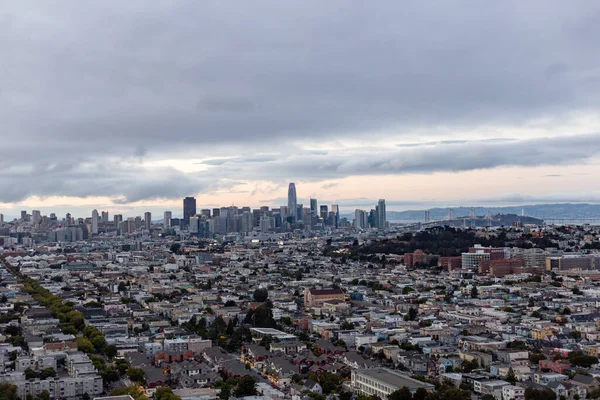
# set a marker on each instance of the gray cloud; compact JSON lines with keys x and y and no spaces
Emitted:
{"x":82,"y":83}
{"x":449,"y":157}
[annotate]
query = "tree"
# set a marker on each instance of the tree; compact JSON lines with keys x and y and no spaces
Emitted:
{"x":225,"y":392}
{"x":539,"y":394}
{"x":132,"y":391}
{"x":510,"y":376}
{"x":98,"y":342}
{"x":47,"y":373}
{"x":230,"y":303}
{"x":110,"y":350}
{"x":420,"y":394}
{"x":260,"y":295}
{"x":329,"y":382}
{"x":401,"y":394}
{"x":176,"y":248}
{"x":136,"y":375}
{"x":8,"y":392}
{"x":474,"y":292}
{"x":580,"y":359}
{"x":412,"y":314}
{"x":84,"y":344}
{"x":165,"y":393}
{"x":245,"y":387}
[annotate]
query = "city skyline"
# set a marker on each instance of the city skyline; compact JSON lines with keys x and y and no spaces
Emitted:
{"x":508,"y":116}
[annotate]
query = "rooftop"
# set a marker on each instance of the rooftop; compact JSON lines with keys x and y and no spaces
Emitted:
{"x":394,"y":378}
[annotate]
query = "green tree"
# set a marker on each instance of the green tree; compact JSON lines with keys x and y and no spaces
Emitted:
{"x":474,"y":292}
{"x":84,"y":344}
{"x":133,"y":391}
{"x":245,"y":387}
{"x":401,"y":394}
{"x":420,"y":394}
{"x":8,"y":392}
{"x":98,"y":342}
{"x":510,"y":376}
{"x":260,"y":295}
{"x":412,"y":314}
{"x":136,"y":375}
{"x":47,"y":373}
{"x":165,"y":393}
{"x":329,"y":382}
{"x":539,"y":394}
{"x":45,"y":395}
{"x":110,"y":350}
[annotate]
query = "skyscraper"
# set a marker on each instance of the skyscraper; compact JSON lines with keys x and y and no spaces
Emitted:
{"x":189,"y":209}
{"x":167,"y":219}
{"x":95,"y":222}
{"x":336,"y":210}
{"x":292,"y":202}
{"x":381,"y":214}
{"x":324,"y":212}
{"x":147,"y":220}
{"x":313,"y":206}
{"x":36,"y":216}
{"x":117,"y":218}
{"x":105,"y":216}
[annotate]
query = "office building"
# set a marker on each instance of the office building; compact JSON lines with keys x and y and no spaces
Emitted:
{"x":147,"y":220}
{"x":95,"y":222}
{"x":117,"y":219}
{"x":380,"y":382}
{"x":36,"y":217}
{"x":1,"y":218}
{"x":292,"y":203}
{"x":381,"y":214}
{"x":205,"y":212}
{"x":194,"y":224}
{"x":361,"y":219}
{"x":189,"y":209}
{"x":335,"y":209}
{"x":313,"y":207}
{"x":167,"y":219}
{"x":24,"y":215}
{"x":105,"y":217}
{"x":471,"y":261}
{"x":324,"y":211}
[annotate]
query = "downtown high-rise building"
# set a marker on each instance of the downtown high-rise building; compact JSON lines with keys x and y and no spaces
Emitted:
{"x":105,"y":217}
{"x":167,"y":219}
{"x":324,"y":211}
{"x":292,"y":203}
{"x":95,"y":222}
{"x":335,"y":209}
{"x":189,"y":209}
{"x":313,"y":206}
{"x":36,"y":217}
{"x":381,"y":214}
{"x":148,"y":220}
{"x":361,"y":219}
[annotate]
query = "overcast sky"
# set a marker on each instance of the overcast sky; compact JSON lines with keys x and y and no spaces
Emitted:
{"x":132,"y":105}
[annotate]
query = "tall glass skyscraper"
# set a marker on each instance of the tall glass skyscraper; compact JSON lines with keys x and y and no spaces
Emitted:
{"x":381,"y":214}
{"x":313,"y":206}
{"x":189,"y":209}
{"x":292,"y":202}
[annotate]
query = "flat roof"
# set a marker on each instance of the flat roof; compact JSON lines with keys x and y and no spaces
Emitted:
{"x":268,"y":331}
{"x":394,"y":378}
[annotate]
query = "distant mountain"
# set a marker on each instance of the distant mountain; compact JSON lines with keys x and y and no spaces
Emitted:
{"x":542,"y":211}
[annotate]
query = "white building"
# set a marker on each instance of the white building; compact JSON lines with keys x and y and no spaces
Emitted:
{"x":511,"y":392}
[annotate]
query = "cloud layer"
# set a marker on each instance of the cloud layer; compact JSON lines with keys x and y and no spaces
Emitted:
{"x":94,"y":94}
